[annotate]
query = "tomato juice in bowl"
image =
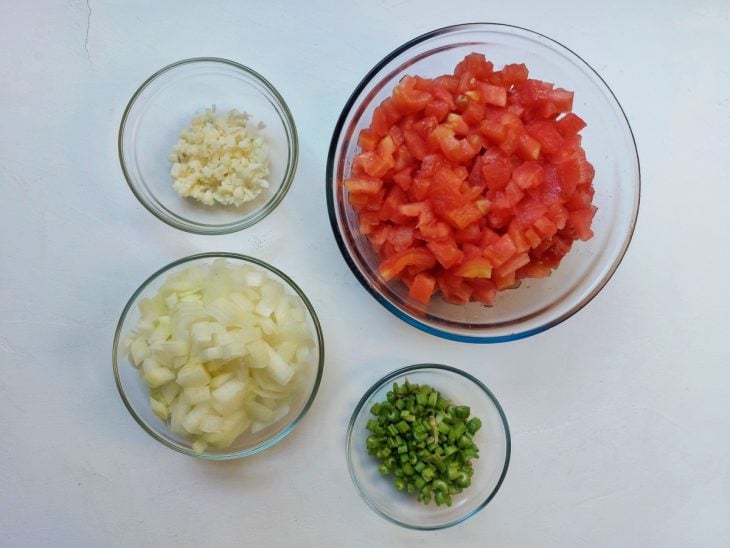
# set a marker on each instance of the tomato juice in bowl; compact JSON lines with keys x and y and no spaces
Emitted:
{"x":538,"y":303}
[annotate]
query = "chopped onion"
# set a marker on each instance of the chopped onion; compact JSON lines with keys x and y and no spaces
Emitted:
{"x":224,"y":349}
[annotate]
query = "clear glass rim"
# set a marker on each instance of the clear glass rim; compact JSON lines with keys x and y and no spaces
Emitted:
{"x":418,"y":368}
{"x":176,"y":221}
{"x":222,"y":456}
{"x":371,"y":287}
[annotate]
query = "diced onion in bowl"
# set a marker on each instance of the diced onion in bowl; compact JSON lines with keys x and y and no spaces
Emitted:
{"x":224,"y":349}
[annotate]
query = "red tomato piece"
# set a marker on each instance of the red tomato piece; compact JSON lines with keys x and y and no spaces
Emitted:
{"x":454,"y":289}
{"x":533,"y":270}
{"x":528,"y":175}
{"x":465,"y":215}
{"x":422,"y":210}
{"x":570,"y":124}
{"x":471,"y":234}
{"x":403,"y":178}
{"x":447,"y":81}
{"x":483,"y":290}
{"x":581,"y":198}
{"x":374,"y":164}
{"x":467,"y":82}
{"x":491,"y":95}
{"x":515,"y":262}
{"x":455,"y":150}
{"x":501,"y":251}
{"x":475,"y":64}
{"x":558,"y":215}
{"x":580,"y":220}
{"x":364,"y":186}
{"x":562,"y":99}
{"x":415,"y":143}
{"x":476,"y":267}
{"x":446,"y":253}
{"x":369,"y":222}
{"x":384,"y":116}
{"x":488,"y":237}
{"x":514,"y":74}
{"x":407,"y":99}
{"x":367,"y":140}
{"x":438,"y":110}
{"x":541,"y":110}
{"x":419,"y":188}
{"x":386,"y":147}
{"x":414,"y":256}
{"x":533,"y":238}
{"x":545,"y":132}
{"x":434,"y":231}
{"x":527,"y":147}
{"x":473,"y":113}
{"x":493,"y":130}
{"x":403,"y":159}
{"x":422,"y":287}
{"x":506,"y":282}
{"x":517,"y":237}
{"x":528,"y":211}
{"x":529,"y":92}
{"x":545,"y":227}
{"x":401,"y":237}
{"x":569,"y":176}
{"x":457,"y":124}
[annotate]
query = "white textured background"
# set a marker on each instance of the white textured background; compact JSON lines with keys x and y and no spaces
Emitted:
{"x":620,"y":416}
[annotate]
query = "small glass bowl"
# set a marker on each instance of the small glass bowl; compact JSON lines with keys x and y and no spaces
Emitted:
{"x":166,"y":103}
{"x":490,"y":469}
{"x":136,"y":394}
{"x":536,"y":305}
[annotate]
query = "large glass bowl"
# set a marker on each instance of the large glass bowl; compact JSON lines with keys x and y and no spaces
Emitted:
{"x":490,"y":469}
{"x":135,"y":392}
{"x":166,"y":103}
{"x":609,"y":144}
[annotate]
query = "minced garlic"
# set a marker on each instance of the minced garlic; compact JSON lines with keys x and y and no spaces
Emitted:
{"x":220,"y":158}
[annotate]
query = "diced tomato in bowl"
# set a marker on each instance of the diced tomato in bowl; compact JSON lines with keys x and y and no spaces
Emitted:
{"x":515,"y":184}
{"x":452,"y":188}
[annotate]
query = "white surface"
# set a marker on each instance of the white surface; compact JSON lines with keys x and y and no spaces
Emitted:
{"x":620,"y":416}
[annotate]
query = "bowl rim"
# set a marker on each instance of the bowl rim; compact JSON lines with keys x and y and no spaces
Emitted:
{"x":383,"y":381}
{"x":330,"y":190}
{"x":270,"y":441}
{"x":195,"y":227}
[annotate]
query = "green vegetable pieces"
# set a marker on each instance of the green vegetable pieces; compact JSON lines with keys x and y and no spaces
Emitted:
{"x":424,"y":441}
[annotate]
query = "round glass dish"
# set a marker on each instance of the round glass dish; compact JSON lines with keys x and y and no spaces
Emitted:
{"x":490,"y":469}
{"x":136,"y":394}
{"x":608,"y":141}
{"x":166,"y":103}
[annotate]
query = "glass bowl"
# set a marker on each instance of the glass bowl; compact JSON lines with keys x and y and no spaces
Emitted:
{"x":166,"y":103}
{"x":609,"y":144}
{"x":490,"y":469}
{"x":136,"y":394}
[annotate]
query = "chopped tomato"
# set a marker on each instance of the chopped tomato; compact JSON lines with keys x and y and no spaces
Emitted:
{"x":476,"y":267}
{"x":364,"y":186}
{"x":422,"y":287}
{"x":469,"y":182}
{"x":570,"y":124}
{"x":407,"y":99}
{"x":414,"y":256}
{"x":545,"y":132}
{"x":454,"y":149}
{"x":446,"y":253}
{"x":528,"y":175}
{"x":367,"y":140}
